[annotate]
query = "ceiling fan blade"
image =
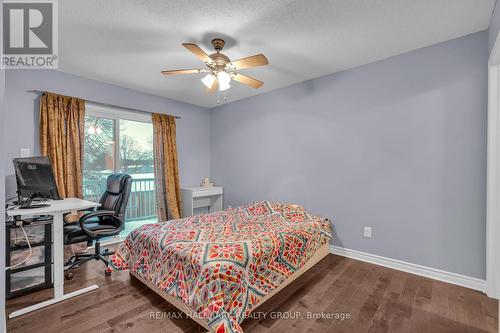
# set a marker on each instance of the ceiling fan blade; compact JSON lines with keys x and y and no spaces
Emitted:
{"x":252,"y":61}
{"x":249,"y":81}
{"x":197,"y":51}
{"x":181,"y":71}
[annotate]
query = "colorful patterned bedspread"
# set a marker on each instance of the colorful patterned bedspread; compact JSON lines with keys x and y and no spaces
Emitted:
{"x":222,"y":264}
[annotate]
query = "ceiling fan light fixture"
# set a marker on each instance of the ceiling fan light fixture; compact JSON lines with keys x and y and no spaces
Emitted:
{"x":224,"y":80}
{"x":208,"y":80}
{"x":225,"y":86}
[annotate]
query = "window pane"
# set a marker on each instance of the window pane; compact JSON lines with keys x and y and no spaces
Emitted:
{"x":136,"y":148}
{"x":98,"y":160}
{"x":136,"y":159}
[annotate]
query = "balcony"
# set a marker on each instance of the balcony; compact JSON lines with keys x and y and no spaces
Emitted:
{"x":141,"y":207}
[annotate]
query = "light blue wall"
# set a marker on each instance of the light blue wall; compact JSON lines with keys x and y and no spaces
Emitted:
{"x":399,"y":145}
{"x":21,"y":119}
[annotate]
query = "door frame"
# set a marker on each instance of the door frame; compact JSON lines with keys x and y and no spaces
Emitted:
{"x":493,"y":175}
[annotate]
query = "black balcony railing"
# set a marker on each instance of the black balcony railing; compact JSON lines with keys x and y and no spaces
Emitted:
{"x":142,"y":202}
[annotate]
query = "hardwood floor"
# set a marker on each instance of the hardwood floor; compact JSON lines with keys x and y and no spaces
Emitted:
{"x":375,"y":298}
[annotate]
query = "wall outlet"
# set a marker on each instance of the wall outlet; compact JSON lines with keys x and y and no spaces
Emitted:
{"x":367,"y":231}
{"x":25,"y":152}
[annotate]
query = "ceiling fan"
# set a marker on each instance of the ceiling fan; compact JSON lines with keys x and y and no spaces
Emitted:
{"x":221,"y":70}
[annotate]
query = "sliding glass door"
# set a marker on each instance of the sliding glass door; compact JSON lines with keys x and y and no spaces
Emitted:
{"x":136,"y":159}
{"x":99,"y":155}
{"x":116,"y":144}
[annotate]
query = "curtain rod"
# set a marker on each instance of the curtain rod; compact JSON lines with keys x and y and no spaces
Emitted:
{"x":41,"y":92}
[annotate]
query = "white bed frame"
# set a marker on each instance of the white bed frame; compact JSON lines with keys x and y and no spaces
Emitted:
{"x":322,"y":252}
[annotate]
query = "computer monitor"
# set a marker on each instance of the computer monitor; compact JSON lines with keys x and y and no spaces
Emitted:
{"x":35,"y":179}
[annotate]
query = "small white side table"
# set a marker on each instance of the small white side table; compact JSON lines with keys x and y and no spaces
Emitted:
{"x":200,"y":197}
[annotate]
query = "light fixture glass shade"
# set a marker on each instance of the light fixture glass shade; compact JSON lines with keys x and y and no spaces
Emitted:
{"x":224,"y":79}
{"x":208,"y":80}
{"x":223,"y":87}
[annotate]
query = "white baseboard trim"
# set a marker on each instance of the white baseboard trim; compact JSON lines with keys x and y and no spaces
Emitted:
{"x":433,"y":273}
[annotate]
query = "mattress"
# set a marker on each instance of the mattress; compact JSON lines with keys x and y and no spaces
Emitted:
{"x":223,"y":263}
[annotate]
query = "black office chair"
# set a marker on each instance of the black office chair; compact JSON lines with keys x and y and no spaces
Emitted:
{"x":108,"y":220}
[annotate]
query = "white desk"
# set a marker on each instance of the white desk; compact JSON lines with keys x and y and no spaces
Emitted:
{"x":200,"y":197}
{"x":57,"y":209}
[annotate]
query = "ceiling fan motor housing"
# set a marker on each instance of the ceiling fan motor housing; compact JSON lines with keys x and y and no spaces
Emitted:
{"x":220,"y":60}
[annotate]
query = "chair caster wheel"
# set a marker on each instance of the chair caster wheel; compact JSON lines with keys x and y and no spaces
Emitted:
{"x":107,"y":272}
{"x":68,"y":275}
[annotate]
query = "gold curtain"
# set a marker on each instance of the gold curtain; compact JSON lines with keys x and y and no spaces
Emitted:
{"x":168,"y":192}
{"x":62,"y":120}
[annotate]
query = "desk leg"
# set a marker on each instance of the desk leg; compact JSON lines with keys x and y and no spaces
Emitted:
{"x":57,"y":269}
{"x":58,"y":254}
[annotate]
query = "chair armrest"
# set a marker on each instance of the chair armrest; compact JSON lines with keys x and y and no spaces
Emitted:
{"x":98,"y":213}
{"x":82,"y":211}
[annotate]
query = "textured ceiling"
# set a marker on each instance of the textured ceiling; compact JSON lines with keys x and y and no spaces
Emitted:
{"x":129,"y":42}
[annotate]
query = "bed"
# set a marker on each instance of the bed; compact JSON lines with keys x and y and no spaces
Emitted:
{"x":219,"y":267}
